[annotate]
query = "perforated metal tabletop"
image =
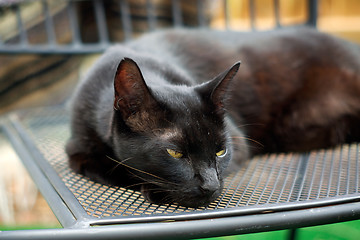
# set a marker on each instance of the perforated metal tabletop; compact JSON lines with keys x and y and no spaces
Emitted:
{"x":269,"y":192}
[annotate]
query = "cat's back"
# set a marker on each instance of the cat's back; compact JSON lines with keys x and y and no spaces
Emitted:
{"x":205,"y":53}
{"x":201,"y":54}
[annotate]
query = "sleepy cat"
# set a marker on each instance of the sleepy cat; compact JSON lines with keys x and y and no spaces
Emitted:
{"x":169,"y":114}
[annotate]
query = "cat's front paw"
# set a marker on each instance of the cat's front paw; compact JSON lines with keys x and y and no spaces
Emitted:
{"x":147,"y":190}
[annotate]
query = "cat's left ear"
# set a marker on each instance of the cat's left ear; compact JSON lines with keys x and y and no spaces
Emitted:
{"x":216,"y":89}
{"x":131,"y":92}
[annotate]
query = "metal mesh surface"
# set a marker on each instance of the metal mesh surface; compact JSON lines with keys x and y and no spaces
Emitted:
{"x":267,"y":182}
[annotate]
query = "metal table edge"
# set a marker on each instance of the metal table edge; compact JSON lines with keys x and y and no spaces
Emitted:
{"x":50,"y":185}
{"x":200,"y":228}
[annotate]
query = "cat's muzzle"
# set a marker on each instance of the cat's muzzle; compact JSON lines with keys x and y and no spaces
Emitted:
{"x":193,"y":197}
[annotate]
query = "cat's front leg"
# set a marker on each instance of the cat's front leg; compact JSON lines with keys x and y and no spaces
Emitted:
{"x":93,"y":161}
{"x":83,"y":160}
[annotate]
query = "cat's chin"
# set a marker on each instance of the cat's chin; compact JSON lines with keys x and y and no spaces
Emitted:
{"x":185,"y":199}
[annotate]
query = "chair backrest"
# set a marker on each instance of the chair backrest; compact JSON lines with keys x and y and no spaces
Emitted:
{"x":88,"y":26}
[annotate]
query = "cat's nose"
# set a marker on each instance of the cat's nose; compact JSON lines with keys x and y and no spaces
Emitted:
{"x":208,"y":191}
{"x":210,"y":182}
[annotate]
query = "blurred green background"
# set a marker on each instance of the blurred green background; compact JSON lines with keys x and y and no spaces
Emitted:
{"x":338,"y":231}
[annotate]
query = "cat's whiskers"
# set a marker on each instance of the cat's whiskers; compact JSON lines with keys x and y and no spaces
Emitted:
{"x":126,"y":159}
{"x":144,"y":172}
{"x":135,"y":184}
{"x":237,"y":145}
{"x":166,"y":199}
{"x":161,"y":190}
{"x":249,"y":139}
{"x":118,"y":164}
{"x":154,"y":182}
{"x":250,"y":124}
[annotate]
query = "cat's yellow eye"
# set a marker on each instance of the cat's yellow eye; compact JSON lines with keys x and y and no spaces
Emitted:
{"x":174,"y":154}
{"x":221,"y":153}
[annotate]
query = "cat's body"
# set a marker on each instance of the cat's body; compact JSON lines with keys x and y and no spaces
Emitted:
{"x":296,"y":90}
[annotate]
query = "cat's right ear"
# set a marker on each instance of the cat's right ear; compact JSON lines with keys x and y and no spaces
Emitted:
{"x":131,"y":92}
{"x":216,"y":90}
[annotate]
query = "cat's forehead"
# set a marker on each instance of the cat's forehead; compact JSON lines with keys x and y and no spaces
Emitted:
{"x":196,"y":131}
{"x":168,"y":134}
{"x":178,"y":98}
{"x":188,"y":117}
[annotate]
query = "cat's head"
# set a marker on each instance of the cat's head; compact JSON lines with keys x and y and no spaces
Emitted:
{"x":172,"y":139}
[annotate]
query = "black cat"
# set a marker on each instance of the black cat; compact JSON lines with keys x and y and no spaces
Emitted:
{"x":147,"y":116}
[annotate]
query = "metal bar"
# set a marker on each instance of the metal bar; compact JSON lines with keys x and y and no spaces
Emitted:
{"x":222,"y":213}
{"x":312,"y":13}
{"x":277,"y":179}
{"x":259,"y":181}
{"x":339,"y":169}
{"x":126,"y":19}
{"x":331,"y":173}
{"x":151,"y":15}
{"x":299,"y":169}
{"x":357,"y":168}
{"x":100,"y":18}
{"x":201,"y":15}
{"x":286,"y":178}
{"x":247,"y":186}
{"x":267,"y":181}
{"x":71,"y":202}
{"x":300,"y":177}
{"x":60,"y":49}
{"x":313,"y":174}
{"x":348,"y":170}
{"x":292,"y":234}
{"x":49,"y":24}
{"x":226,"y":14}
{"x":252,"y":12}
{"x":323,"y":164}
{"x":277,"y":13}
{"x":176,"y":13}
{"x":60,"y":209}
{"x":201,"y":228}
{"x":74,"y":24}
{"x":20,"y":25}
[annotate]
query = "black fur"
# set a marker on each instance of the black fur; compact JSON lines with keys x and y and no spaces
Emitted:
{"x":297,"y":90}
